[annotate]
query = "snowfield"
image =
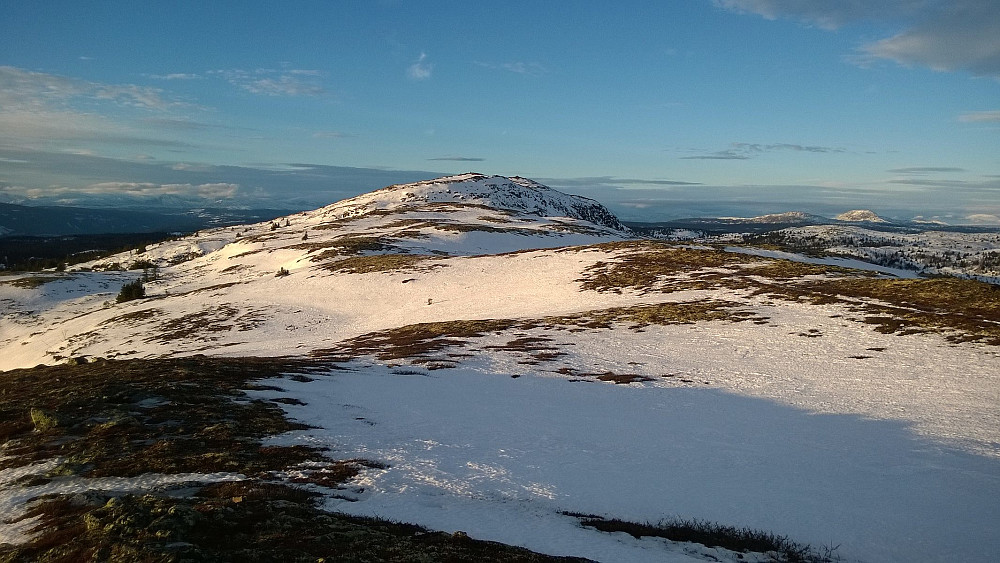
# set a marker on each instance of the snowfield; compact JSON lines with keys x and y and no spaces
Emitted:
{"x":473,"y":334}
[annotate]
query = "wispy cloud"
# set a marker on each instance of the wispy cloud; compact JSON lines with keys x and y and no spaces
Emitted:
{"x":459,"y":158}
{"x":925,"y":170}
{"x":421,"y":69}
{"x":179,"y":124}
{"x":945,"y":35}
{"x":746,"y":151}
{"x":27,"y":90}
{"x":518,"y":67}
{"x":990,"y":186}
{"x":611,"y":182}
{"x":332,"y":135}
{"x":272,"y":82}
{"x":980,"y":116}
{"x":728,"y":154}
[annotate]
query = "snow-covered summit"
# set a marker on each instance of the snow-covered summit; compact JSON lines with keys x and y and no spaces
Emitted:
{"x":514,"y":193}
{"x":860,"y":216}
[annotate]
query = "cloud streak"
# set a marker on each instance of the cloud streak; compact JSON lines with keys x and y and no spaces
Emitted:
{"x":980,"y":117}
{"x":925,"y":169}
{"x":459,"y":158}
{"x":610,"y":182}
{"x":746,"y":151}
{"x":517,"y":67}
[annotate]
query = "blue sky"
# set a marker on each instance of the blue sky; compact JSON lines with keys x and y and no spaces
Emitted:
{"x":658,"y":109}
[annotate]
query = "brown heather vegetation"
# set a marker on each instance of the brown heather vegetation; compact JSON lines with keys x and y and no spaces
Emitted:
{"x":963,"y":310}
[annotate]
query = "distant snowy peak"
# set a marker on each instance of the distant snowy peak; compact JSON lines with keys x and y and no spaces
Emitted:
{"x":515,"y":193}
{"x":860,"y":216}
{"x":789,"y":217}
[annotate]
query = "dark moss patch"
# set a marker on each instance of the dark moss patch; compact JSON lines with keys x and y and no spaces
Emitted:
{"x":423,"y":343}
{"x":417,"y":341}
{"x":609,"y":376}
{"x":963,"y":310}
{"x":247,"y":521}
{"x":32,"y":282}
{"x":710,"y":534}
{"x":383,"y":263}
{"x":125,"y":418}
{"x":347,"y":245}
{"x":643,"y":264}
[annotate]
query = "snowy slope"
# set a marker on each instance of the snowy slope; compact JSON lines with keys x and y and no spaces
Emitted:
{"x":477,"y":353}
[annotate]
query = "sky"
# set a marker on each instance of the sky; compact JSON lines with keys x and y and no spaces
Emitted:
{"x":658,"y":109}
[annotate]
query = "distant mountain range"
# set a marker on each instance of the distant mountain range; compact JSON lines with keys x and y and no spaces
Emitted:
{"x":776,"y":221}
{"x":25,"y":220}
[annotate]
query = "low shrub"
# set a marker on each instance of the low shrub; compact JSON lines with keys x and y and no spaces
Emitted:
{"x":130,"y":291}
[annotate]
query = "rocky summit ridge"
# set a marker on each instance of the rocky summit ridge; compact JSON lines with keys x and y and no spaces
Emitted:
{"x":513,"y":193}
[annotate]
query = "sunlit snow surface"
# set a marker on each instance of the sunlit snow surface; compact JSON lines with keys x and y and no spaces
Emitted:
{"x":811,"y":425}
{"x":890,"y":462}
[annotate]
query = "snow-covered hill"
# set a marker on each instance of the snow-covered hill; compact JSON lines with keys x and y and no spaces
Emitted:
{"x":973,"y":255}
{"x":505,"y":354}
{"x":515,"y":193}
{"x":860,"y":216}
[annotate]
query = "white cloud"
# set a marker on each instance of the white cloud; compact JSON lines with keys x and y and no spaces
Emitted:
{"x":962,"y":36}
{"x":421,"y":69}
{"x":945,"y":35}
{"x":980,"y":116}
{"x":983,"y":219}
